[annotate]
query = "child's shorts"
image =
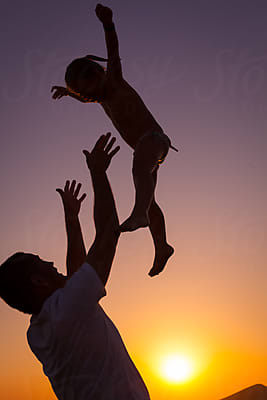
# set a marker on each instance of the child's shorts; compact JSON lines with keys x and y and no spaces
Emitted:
{"x":164,"y":139}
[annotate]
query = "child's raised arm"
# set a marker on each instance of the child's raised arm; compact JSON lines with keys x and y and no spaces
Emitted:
{"x":104,"y":14}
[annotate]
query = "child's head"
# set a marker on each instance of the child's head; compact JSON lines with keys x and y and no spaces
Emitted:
{"x":86,"y":78}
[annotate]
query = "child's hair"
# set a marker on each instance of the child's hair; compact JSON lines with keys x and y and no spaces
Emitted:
{"x":82,"y":68}
{"x":15,"y":284}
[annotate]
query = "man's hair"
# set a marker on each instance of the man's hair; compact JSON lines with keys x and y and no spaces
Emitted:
{"x":80,"y":68}
{"x":15,"y":284}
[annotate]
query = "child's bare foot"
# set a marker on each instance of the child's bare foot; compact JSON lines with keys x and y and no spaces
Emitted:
{"x":132,"y":223}
{"x":160,"y":260}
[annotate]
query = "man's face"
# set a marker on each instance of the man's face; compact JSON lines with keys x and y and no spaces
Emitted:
{"x":43,"y":274}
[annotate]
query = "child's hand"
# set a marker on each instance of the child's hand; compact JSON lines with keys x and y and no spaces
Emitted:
{"x":99,"y":158}
{"x":69,"y":196}
{"x":104,"y":14}
{"x":59,"y":92}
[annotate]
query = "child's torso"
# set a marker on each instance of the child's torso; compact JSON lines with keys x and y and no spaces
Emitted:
{"x":129,"y":114}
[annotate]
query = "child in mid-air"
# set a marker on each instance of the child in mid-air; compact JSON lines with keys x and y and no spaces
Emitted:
{"x":88,"y":82}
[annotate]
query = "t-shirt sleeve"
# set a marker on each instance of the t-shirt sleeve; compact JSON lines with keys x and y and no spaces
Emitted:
{"x":81,"y":292}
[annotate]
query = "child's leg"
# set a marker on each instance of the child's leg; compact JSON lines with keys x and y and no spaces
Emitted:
{"x":163,"y":250}
{"x":146,"y":156}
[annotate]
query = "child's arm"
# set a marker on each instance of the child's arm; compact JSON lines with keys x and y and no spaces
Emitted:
{"x":104,"y":14}
{"x":60,"y":91}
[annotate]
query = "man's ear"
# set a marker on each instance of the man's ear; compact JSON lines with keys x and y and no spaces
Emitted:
{"x":38,"y":280}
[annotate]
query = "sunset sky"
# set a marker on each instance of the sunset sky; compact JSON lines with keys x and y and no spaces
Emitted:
{"x":201,"y":68}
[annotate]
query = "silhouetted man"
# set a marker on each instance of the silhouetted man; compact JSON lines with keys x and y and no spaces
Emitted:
{"x":81,"y":350}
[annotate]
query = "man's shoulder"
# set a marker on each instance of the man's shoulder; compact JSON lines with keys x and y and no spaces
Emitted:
{"x":82,"y":288}
{"x":86,"y":271}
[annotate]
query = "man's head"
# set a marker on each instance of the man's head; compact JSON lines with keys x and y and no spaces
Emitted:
{"x":86,"y":78}
{"x":26,"y":282}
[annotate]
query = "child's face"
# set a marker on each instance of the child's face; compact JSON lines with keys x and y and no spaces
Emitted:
{"x":93,"y":87}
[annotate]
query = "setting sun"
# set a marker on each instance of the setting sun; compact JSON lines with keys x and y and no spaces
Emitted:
{"x":176,"y":369}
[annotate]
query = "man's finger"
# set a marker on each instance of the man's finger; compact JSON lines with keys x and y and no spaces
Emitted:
{"x":77,"y":189}
{"x":86,"y":153}
{"x":113,"y":152}
{"x":67,"y":184}
{"x":72,"y":186}
{"x":82,"y":197}
{"x":110,"y":144}
{"x":99,"y":142}
{"x":60,"y":191}
{"x":104,"y":140}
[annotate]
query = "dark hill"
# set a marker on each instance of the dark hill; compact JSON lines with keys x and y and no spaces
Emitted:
{"x":256,"y":392}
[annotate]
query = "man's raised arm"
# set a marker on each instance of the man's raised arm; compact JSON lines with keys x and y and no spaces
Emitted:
{"x":76,"y":252}
{"x":104,"y":14}
{"x":102,"y":251}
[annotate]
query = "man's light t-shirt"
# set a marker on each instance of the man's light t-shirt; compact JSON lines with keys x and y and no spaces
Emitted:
{"x":81,"y":350}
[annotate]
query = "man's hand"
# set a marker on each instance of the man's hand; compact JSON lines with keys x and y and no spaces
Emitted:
{"x":102,"y":251}
{"x":99,"y":158}
{"x":69,"y":196}
{"x":104,"y":14}
{"x":60,"y":91}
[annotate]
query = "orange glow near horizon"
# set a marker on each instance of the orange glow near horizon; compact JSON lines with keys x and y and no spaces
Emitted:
{"x":176,"y":368}
{"x":218,"y":370}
